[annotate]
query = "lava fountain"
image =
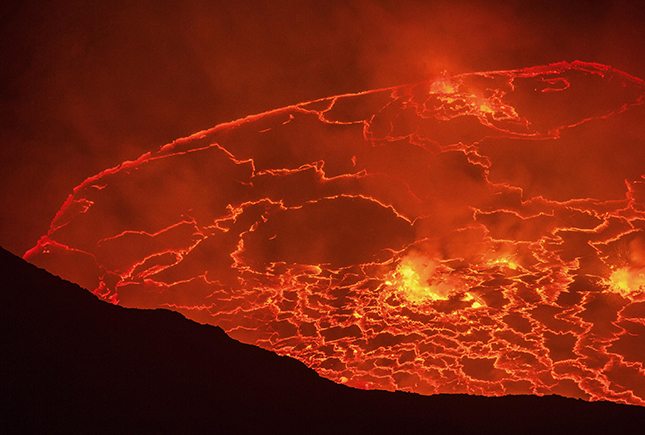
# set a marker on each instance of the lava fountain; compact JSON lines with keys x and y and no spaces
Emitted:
{"x":480,"y":233}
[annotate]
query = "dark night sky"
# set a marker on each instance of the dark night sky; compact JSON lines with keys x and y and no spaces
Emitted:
{"x":86,"y":85}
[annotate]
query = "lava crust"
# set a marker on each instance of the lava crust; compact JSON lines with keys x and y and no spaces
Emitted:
{"x":479,"y":233}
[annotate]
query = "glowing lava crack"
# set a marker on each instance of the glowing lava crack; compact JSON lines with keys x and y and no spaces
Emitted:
{"x":480,"y":233}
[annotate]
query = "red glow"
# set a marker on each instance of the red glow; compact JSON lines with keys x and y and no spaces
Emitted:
{"x":478,"y":233}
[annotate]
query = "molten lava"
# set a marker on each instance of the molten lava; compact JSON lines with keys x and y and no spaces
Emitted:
{"x":480,"y":233}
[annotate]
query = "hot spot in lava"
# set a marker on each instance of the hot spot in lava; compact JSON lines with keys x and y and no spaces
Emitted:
{"x":479,"y":233}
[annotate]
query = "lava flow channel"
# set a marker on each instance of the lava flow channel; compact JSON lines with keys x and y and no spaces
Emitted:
{"x":479,"y":233}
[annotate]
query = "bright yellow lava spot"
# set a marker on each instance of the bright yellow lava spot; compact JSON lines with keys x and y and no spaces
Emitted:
{"x":475,"y":303}
{"x":357,"y":315}
{"x":485,"y":108}
{"x":504,"y":261}
{"x":412,"y":277}
{"x":442,"y":87}
{"x":624,"y":281}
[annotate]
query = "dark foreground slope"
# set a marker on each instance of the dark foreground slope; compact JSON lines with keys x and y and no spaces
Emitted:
{"x":74,"y":363}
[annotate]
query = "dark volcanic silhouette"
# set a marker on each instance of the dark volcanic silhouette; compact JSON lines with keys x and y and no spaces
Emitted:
{"x":73,"y":362}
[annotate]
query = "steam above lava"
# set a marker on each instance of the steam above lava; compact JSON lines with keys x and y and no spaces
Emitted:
{"x":478,"y":233}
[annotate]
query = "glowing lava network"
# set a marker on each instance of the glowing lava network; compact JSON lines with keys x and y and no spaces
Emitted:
{"x":479,"y":233}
